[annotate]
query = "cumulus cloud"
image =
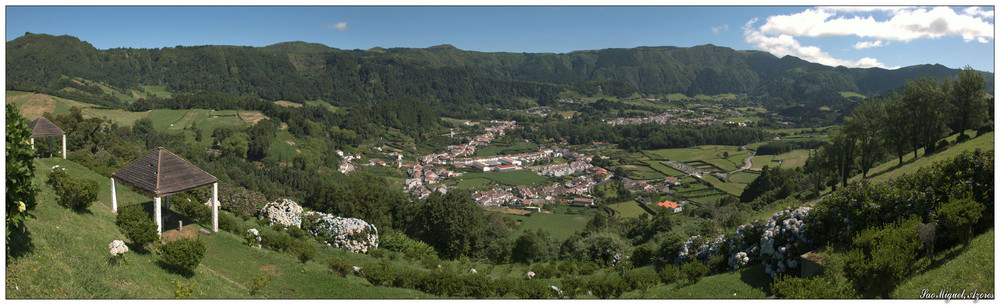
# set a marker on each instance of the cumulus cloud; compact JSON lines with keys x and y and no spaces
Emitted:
{"x":340,"y":26}
{"x":869,"y":44}
{"x":721,"y":28}
{"x":783,"y":44}
{"x":778,"y":33}
{"x":906,"y":24}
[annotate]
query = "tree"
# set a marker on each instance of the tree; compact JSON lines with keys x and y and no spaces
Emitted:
{"x":927,"y":103}
{"x":236,"y":145}
{"x":450,"y":223}
{"x":867,"y":126}
{"x":20,"y":171}
{"x":968,"y":98}
{"x":898,"y":125}
{"x":136,"y":225}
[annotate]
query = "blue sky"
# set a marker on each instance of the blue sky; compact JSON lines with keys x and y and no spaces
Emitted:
{"x":855,"y":37}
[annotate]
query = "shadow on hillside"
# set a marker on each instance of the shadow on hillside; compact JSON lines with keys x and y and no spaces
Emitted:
{"x":175,"y":270}
{"x":170,"y":218}
{"x":757,"y":278}
{"x":18,"y":244}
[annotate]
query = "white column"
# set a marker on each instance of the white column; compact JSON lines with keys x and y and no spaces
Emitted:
{"x":64,"y":146}
{"x":114,"y":197}
{"x":157,"y":215}
{"x":32,"y":144}
{"x":215,"y":207}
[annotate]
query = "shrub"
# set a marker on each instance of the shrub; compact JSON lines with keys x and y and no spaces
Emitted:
{"x":77,"y":194}
{"x":240,"y":200}
{"x":882,"y":257}
{"x":184,"y":254}
{"x":820,"y":287}
{"x":476,"y":286}
{"x":340,"y":266}
{"x":136,"y":225}
{"x":183,"y":290}
{"x":641,"y":278}
{"x":298,"y":233}
{"x":228,"y":223}
{"x":693,"y":271}
{"x":532,"y":289}
{"x":669,"y":274}
{"x":717,"y":264}
{"x":257,"y":284}
{"x":196,"y":211}
{"x":958,"y":218}
{"x":440,"y":282}
{"x":643,"y":255}
{"x":302,"y":250}
{"x":607,"y":285}
{"x":399,"y":242}
{"x":573,"y":286}
{"x":277,"y":241}
{"x":278,"y":227}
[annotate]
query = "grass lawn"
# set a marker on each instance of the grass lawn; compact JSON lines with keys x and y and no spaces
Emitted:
{"x":512,"y":178}
{"x":517,"y":148}
{"x":742,"y":177}
{"x":641,"y":172}
{"x":759,"y":161}
{"x":793,"y":159}
{"x":159,"y":91}
{"x":471,"y":182}
{"x":888,"y":170}
{"x":748,"y":283}
{"x":731,"y":188}
{"x":559,"y":225}
{"x":628,"y":208}
{"x":971,"y":269}
{"x":663,"y":169}
{"x":282,"y":148}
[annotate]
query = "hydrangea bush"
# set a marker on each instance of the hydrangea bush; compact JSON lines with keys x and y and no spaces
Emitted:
{"x":352,"y":234}
{"x":744,"y":245}
{"x":784,"y":240}
{"x":118,"y":250}
{"x":284,"y":212}
{"x":253,"y":238}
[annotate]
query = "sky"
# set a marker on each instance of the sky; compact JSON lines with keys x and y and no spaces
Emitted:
{"x":885,"y":37}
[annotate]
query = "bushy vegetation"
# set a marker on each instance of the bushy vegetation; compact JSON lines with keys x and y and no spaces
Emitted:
{"x":819,"y":287}
{"x":77,"y":194}
{"x":136,"y":225}
{"x":882,"y":257}
{"x":20,"y":170}
{"x":183,"y":254}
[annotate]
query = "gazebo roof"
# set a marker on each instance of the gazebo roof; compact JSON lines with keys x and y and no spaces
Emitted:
{"x":161,"y":173}
{"x":42,"y":127}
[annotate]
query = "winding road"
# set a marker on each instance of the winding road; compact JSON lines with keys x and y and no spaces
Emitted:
{"x":746,"y":162}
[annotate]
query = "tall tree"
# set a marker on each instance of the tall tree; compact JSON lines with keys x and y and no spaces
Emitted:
{"x":968,"y":98}
{"x":867,"y":125}
{"x":898,"y":125}
{"x":927,"y":101}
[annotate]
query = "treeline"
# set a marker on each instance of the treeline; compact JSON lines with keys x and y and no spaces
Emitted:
{"x":780,"y":147}
{"x":585,"y":129}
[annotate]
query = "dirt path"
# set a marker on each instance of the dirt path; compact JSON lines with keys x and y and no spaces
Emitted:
{"x":225,"y":278}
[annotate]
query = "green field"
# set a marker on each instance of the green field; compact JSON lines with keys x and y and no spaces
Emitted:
{"x":742,"y":177}
{"x":748,"y":283}
{"x":793,"y":159}
{"x":516,"y":148}
{"x":559,"y":225}
{"x":663,"y":169}
{"x":891,"y":168}
{"x":512,"y":178}
{"x":628,"y":209}
{"x":282,"y":148}
{"x":710,"y":154}
{"x":641,"y":172}
{"x":159,"y":91}
{"x":972,"y":268}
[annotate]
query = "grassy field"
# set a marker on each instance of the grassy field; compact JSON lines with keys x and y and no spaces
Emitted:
{"x":742,"y":177}
{"x":890,"y":169}
{"x":663,"y":169}
{"x":559,"y":225}
{"x":792,"y":159}
{"x":69,"y":259}
{"x":642,"y":172}
{"x":516,"y":148}
{"x":628,"y":209}
{"x":512,"y":178}
{"x":972,"y":268}
{"x":748,"y":283}
{"x":159,"y":91}
{"x":282,"y":148}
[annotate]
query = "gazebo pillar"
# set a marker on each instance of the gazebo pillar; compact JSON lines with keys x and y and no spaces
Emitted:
{"x":32,"y":143}
{"x":215,"y":207}
{"x":64,"y":146}
{"x":114,"y":197}
{"x":158,"y":215}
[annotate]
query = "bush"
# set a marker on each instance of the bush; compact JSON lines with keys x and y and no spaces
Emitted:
{"x":882,"y":257}
{"x":573,"y":286}
{"x":693,"y":271}
{"x":641,"y":278}
{"x":958,"y":218}
{"x":607,"y":286}
{"x":77,"y":194}
{"x":302,"y":250}
{"x":257,"y":284}
{"x":277,"y":226}
{"x":198,"y":212}
{"x":136,"y":225}
{"x":228,"y":223}
{"x":276,"y":241}
{"x":476,"y":286}
{"x":183,"y":290}
{"x":820,"y":287}
{"x":184,"y":254}
{"x":298,"y":233}
{"x":669,"y":274}
{"x":532,"y":289}
{"x":340,"y":266}
{"x":399,"y":242}
{"x":440,"y":282}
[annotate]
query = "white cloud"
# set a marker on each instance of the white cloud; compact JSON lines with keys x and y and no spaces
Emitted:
{"x":906,"y":24}
{"x":869,"y":44}
{"x":978,"y":11}
{"x":717,"y":29}
{"x":784,"y":44}
{"x":340,"y":26}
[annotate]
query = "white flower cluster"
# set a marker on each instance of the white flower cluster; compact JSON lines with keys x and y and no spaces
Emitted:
{"x":779,"y":243}
{"x":687,"y":249}
{"x":253,"y":237}
{"x":530,"y":274}
{"x":117,"y":247}
{"x":285,"y":212}
{"x":352,"y":234}
{"x":746,"y":240}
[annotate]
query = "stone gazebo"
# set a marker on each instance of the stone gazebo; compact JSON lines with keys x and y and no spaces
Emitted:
{"x":161,"y":173}
{"x":42,"y":127}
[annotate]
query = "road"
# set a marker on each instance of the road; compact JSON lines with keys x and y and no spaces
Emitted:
{"x":746,"y":162}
